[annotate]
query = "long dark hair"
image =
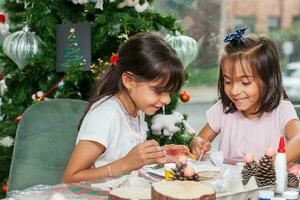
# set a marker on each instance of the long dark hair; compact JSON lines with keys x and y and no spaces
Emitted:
{"x":260,"y":52}
{"x":148,"y":57}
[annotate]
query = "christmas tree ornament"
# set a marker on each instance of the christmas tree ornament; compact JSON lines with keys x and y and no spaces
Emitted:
{"x":58,"y":84}
{"x":80,"y":1}
{"x":73,"y":54}
{"x":20,"y":46}
{"x":292,"y":181}
{"x":37,"y":97}
{"x":1,"y":103}
{"x":4,"y":27}
{"x":3,"y":87}
{"x":186,"y":47}
{"x":99,"y":4}
{"x":265,"y":173}
{"x":184,"y":96}
{"x":100,"y":69}
{"x":2,"y":18}
{"x":134,"y":3}
{"x":166,"y":124}
{"x":19,"y":118}
{"x":114,"y":59}
{"x":6,"y":141}
{"x":4,"y":187}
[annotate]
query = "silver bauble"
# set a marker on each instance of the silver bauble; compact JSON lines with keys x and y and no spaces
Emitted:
{"x":20,"y":46}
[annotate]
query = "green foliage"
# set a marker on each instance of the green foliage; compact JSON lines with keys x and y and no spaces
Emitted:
{"x":202,"y":76}
{"x":42,"y":18}
{"x":288,"y":34}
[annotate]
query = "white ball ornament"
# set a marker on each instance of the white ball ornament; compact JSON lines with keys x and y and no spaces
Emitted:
{"x":20,"y":46}
{"x":186,"y":48}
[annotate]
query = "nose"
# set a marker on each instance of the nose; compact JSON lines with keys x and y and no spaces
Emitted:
{"x":165,"y":98}
{"x":235,"y":89}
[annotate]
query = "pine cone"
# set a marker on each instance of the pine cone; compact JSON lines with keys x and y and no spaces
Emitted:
{"x":265,"y":173}
{"x":248,"y":171}
{"x":179,"y":174}
{"x":293,"y":181}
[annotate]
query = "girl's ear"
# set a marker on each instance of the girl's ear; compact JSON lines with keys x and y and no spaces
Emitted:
{"x":127,"y":79}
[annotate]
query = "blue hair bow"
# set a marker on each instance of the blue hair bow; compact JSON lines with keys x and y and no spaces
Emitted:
{"x":235,"y":35}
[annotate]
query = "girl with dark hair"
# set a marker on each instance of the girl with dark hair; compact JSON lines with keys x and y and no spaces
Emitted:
{"x":253,"y":111}
{"x":112,"y":133}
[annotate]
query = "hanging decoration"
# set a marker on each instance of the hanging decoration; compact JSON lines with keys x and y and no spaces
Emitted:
{"x":100,"y":69}
{"x":7,"y":141}
{"x":4,"y":27}
{"x":184,"y":96}
{"x":186,"y":47}
{"x":19,"y":118}
{"x":3,"y":87}
{"x":4,"y":187}
{"x":58,"y":84}
{"x":99,"y":3}
{"x":73,"y":46}
{"x":1,"y":116}
{"x":20,"y":46}
{"x":134,"y":3}
{"x":37,"y":97}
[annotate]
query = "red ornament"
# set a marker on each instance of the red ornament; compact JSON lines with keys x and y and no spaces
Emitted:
{"x":4,"y":187}
{"x":184,"y":96}
{"x":114,"y":59}
{"x":1,"y":76}
{"x":2,"y":18}
{"x":18,"y":119}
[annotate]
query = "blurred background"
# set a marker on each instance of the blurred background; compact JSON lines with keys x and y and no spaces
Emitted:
{"x":208,"y":21}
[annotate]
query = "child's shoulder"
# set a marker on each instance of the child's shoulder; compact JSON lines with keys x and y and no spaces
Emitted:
{"x":285,"y":104}
{"x":218,"y":106}
{"x":105,"y":104}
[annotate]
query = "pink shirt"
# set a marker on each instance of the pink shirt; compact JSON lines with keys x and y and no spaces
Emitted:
{"x":239,"y":135}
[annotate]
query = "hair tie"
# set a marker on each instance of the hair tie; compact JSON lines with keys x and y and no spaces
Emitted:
{"x":235,"y":35}
{"x":114,"y":59}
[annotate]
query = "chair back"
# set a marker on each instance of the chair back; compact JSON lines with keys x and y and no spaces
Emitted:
{"x":44,"y":141}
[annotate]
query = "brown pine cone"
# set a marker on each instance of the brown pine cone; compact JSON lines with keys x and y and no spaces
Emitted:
{"x":248,"y":171}
{"x":265,"y":173}
{"x":179,"y":174}
{"x":293,"y":181}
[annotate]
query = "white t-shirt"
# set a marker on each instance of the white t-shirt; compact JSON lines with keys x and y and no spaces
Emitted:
{"x":109,"y":124}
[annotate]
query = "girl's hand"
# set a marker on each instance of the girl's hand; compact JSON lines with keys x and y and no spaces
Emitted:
{"x":175,"y":152}
{"x":199,"y":146}
{"x":148,"y":152}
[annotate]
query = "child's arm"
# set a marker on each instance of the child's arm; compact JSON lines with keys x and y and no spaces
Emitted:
{"x":201,"y":143}
{"x":292,"y":130}
{"x":86,"y":152}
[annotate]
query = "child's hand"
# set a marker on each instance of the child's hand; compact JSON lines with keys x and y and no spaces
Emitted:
{"x":199,"y":146}
{"x":148,"y":152}
{"x":175,"y":152}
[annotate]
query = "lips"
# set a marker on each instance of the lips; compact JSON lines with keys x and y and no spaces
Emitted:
{"x":240,"y":101}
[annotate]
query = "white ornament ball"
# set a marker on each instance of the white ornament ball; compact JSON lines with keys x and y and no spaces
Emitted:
{"x":20,"y":46}
{"x":186,"y":48}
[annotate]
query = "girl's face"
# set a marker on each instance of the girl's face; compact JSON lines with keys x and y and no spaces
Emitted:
{"x":243,"y":89}
{"x":147,"y":98}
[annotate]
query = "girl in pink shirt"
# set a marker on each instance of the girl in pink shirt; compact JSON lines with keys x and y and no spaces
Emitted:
{"x":253,"y":110}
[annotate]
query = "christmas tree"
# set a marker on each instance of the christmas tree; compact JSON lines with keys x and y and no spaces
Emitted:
{"x":111,"y":23}
{"x":73,"y":54}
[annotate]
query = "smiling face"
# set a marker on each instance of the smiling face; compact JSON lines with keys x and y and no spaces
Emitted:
{"x":147,"y":96}
{"x":242,"y":87}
